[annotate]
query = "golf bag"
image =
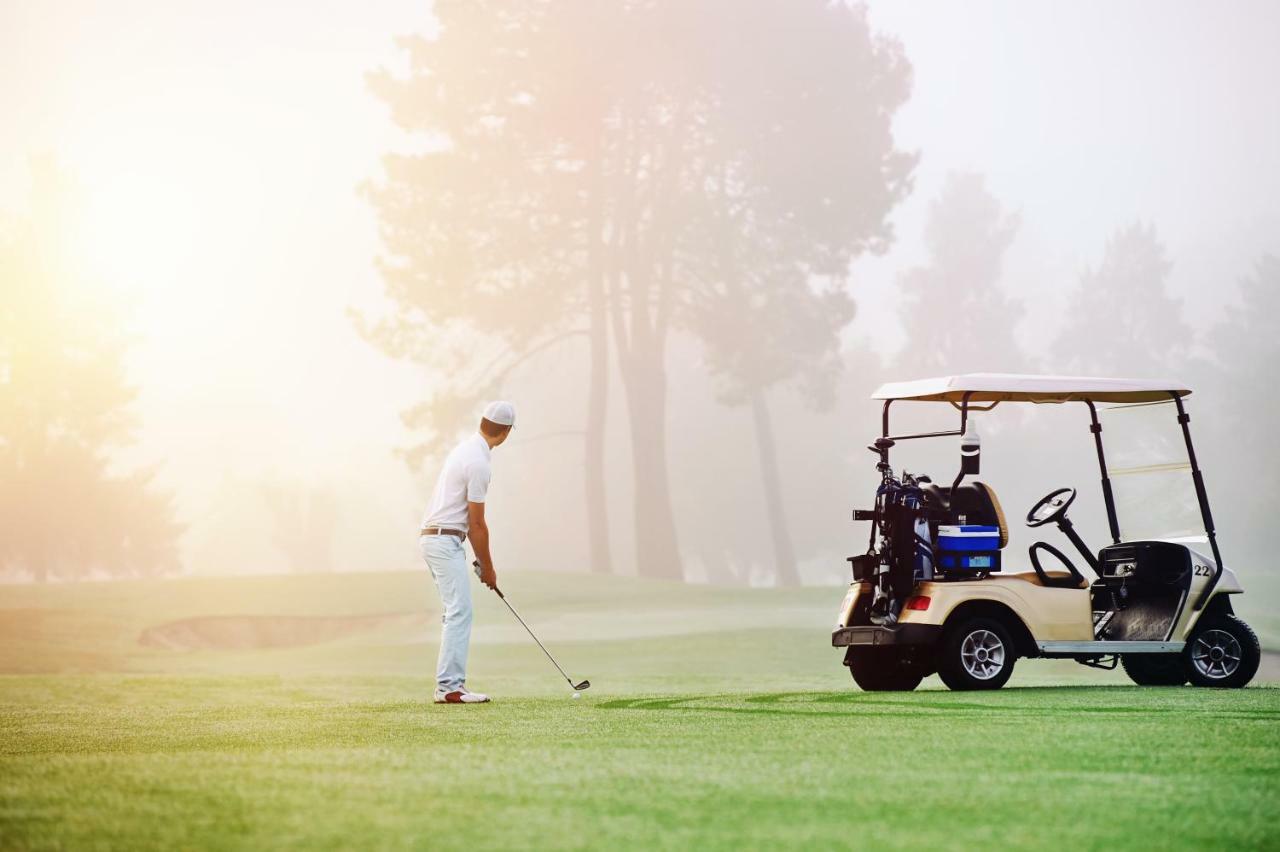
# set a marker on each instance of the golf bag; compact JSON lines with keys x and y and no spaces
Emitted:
{"x":905,"y":551}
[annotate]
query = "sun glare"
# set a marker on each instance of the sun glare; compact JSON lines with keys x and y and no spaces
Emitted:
{"x":138,"y":231}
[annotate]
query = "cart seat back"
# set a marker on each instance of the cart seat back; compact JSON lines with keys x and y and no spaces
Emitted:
{"x":977,"y":503}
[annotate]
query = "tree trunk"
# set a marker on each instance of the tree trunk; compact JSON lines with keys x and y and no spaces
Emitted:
{"x":784,"y":555}
{"x":657,"y":550}
{"x":639,"y":305}
{"x":598,"y":549}
{"x":599,"y":552}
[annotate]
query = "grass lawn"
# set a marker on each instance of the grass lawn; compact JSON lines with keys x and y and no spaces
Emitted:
{"x":716,"y":719}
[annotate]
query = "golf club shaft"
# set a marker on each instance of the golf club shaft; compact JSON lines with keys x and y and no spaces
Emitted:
{"x":530,"y":632}
{"x":535,"y":639}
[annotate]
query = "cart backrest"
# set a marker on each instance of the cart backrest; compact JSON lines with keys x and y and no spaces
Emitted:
{"x":974,"y":501}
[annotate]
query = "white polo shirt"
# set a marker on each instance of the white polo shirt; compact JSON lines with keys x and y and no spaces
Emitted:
{"x":465,"y":478}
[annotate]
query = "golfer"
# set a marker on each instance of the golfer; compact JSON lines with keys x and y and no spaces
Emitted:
{"x":457,"y":511}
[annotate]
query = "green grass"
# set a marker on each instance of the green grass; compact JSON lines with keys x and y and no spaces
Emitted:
{"x":716,"y":719}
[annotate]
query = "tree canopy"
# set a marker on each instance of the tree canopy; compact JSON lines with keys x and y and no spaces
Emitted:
{"x":956,"y":315}
{"x":1122,"y":319}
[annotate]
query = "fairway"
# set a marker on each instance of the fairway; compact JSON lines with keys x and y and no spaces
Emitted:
{"x":613,"y":372}
{"x":700,"y":731}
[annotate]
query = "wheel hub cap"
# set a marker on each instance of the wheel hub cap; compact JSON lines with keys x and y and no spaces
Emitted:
{"x":982,"y":654}
{"x":1216,"y":654}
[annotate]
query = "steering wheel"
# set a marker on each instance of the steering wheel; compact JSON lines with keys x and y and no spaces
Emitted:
{"x":1072,"y":582}
{"x":1051,"y":507}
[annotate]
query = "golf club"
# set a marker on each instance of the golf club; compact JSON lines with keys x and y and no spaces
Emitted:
{"x":577,"y":687}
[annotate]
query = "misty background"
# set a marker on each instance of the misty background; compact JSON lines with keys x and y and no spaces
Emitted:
{"x":260,"y":267}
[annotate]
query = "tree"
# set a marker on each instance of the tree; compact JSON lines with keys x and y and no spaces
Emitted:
{"x":485,"y":229}
{"x":1243,"y":348}
{"x":956,"y":316}
{"x":597,"y":168}
{"x":64,"y":409}
{"x":1121,"y":320}
{"x":765,"y":323}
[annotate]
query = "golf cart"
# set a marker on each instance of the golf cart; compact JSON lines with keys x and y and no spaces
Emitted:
{"x":931,"y":594}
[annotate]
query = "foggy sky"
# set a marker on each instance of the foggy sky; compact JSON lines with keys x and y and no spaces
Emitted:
{"x":1084,"y":118}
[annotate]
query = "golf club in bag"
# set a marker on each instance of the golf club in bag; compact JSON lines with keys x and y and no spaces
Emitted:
{"x":577,"y":687}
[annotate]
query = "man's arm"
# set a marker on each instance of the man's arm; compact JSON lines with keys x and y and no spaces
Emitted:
{"x":479,"y":533}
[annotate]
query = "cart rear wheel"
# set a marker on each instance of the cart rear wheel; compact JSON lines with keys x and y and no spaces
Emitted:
{"x":1154,"y":669}
{"x":880,"y":669}
{"x":1222,"y":651}
{"x":976,"y":653}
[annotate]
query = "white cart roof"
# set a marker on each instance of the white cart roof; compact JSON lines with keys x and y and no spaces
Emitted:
{"x":1010,"y":387}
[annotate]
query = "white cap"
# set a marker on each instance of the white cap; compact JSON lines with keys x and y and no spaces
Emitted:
{"x":501,"y":412}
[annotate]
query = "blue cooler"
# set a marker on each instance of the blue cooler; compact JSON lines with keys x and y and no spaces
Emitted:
{"x":969,"y":547}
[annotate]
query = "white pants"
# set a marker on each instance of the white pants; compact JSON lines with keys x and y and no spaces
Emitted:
{"x":448,"y":563}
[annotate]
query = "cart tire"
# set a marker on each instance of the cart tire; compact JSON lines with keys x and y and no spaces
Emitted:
{"x":976,"y":653}
{"x":1154,"y":669}
{"x":883,"y":670}
{"x":1221,"y":652}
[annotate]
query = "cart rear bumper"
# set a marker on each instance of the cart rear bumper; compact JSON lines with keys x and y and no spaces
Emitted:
{"x":902,"y":634}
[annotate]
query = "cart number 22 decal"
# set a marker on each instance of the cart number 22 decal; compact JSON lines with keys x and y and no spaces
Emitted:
{"x":1202,"y":571}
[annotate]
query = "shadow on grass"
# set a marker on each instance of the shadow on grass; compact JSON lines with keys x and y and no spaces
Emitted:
{"x":1140,"y":702}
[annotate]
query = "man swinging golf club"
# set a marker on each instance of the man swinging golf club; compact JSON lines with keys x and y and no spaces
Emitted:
{"x":456,"y":511}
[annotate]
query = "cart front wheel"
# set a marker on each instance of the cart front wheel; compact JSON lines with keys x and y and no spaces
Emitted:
{"x":1222,"y":651}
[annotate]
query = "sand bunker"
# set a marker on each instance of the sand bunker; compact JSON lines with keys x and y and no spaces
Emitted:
{"x":247,"y":632}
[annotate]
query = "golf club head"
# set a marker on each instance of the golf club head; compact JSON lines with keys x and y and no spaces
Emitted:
{"x":578,"y":687}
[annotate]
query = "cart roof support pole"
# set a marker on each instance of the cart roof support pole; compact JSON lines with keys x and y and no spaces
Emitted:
{"x":964,"y":422}
{"x":1107,"y":496}
{"x":884,"y":432}
{"x":1202,"y":497}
